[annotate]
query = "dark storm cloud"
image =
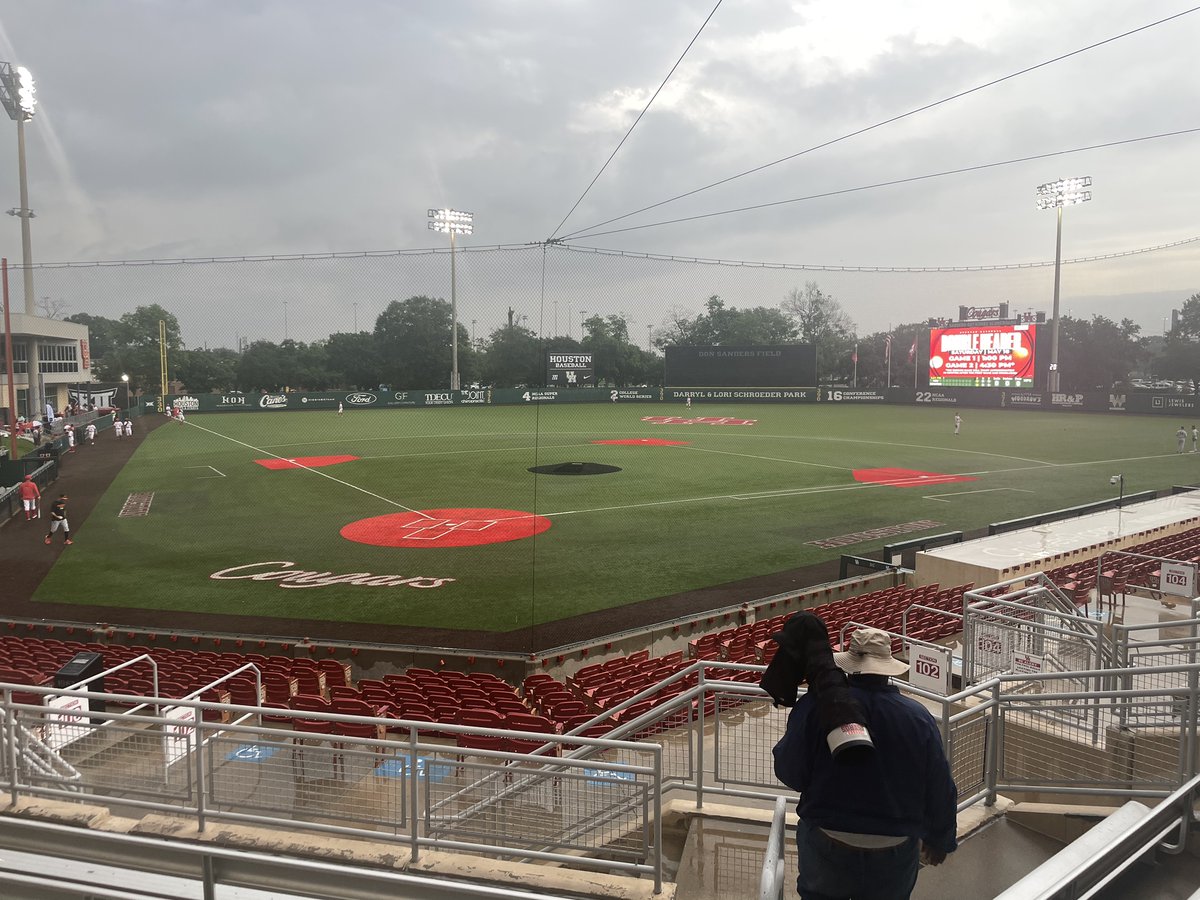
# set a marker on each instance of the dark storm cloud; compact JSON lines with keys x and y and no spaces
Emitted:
{"x":204,"y":128}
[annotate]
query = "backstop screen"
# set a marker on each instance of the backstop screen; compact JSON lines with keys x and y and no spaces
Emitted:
{"x":784,"y":365}
{"x":983,"y":356}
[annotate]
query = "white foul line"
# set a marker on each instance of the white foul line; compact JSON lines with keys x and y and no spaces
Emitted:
{"x":219,"y":474}
{"x":310,"y":469}
{"x":964,"y":493}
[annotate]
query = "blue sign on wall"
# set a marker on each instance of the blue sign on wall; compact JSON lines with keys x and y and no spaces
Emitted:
{"x":435,"y":770}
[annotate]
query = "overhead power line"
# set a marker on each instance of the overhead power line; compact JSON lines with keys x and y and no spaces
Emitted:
{"x":912,"y":112}
{"x":893,"y":182}
{"x":597,"y":251}
{"x":638,"y":119}
{"x":817,"y":267}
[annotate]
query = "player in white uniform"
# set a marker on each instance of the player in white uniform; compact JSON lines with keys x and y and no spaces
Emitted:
{"x":129,"y":428}
{"x":90,"y":432}
{"x":70,"y":430}
{"x":1181,"y":438}
{"x":957,"y":423}
{"x":688,"y":402}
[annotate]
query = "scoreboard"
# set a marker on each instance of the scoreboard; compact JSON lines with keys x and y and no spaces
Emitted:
{"x":983,"y":356}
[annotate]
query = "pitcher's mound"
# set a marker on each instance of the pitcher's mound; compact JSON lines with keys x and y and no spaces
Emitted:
{"x":574,"y":468}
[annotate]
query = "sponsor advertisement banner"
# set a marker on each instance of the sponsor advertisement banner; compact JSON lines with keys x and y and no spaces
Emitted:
{"x":979,"y":398}
{"x":327,"y":400}
{"x":1184,"y":404}
{"x":753,"y":395}
{"x":570,"y":369}
{"x":946,"y":397}
{"x":851,"y":395}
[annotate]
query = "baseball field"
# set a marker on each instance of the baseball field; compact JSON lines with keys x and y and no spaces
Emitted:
{"x":498,"y":519}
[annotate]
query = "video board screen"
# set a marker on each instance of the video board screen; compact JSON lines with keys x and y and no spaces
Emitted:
{"x":570,"y":369}
{"x":785,"y":365}
{"x":983,"y":356}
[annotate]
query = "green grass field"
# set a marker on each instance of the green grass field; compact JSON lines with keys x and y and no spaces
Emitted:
{"x":735,"y":501}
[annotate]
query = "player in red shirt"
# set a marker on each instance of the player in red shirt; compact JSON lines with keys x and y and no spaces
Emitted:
{"x":30,"y":495}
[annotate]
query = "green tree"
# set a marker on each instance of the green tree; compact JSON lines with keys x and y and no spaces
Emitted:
{"x":820,"y":320}
{"x":1098,"y":353}
{"x":413,"y":343}
{"x":1189,"y":319}
{"x":353,"y":360}
{"x":725,"y":325}
{"x":135,"y":349}
{"x":514,"y":355}
{"x":207,"y":371}
{"x":260,"y":367}
{"x":102,"y":333}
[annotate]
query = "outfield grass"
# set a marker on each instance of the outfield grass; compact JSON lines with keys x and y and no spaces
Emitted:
{"x":734,"y":502}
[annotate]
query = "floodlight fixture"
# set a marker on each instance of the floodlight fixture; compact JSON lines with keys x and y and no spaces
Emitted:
{"x":18,"y":96}
{"x":18,"y":92}
{"x":1055,"y":195}
{"x":452,"y":222}
{"x":1064,"y":192}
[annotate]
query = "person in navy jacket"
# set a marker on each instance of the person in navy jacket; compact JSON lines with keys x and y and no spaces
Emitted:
{"x":865,"y":827}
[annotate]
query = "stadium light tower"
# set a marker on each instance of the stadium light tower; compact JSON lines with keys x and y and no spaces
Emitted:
{"x":1056,"y":195}
{"x":20,"y":102}
{"x":452,"y":222}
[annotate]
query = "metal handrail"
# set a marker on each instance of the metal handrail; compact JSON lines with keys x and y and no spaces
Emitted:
{"x":771,"y":884}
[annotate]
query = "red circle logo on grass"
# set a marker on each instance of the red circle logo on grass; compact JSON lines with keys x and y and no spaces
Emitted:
{"x":424,"y":529}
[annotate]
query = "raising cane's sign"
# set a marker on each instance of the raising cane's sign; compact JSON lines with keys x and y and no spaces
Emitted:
{"x":282,"y":572}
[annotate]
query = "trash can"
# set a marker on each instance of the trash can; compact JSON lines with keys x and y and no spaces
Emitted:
{"x":83,"y":665}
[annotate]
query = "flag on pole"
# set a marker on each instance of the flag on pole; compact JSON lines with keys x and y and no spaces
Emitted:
{"x":887,"y":348}
{"x":912,"y":351}
{"x":854,"y":355}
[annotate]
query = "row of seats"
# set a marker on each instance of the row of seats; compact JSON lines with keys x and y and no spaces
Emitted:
{"x":751,"y":643}
{"x":1079,"y":579}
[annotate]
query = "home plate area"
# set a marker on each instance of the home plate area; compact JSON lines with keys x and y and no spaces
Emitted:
{"x":906,"y":477}
{"x":429,"y":528}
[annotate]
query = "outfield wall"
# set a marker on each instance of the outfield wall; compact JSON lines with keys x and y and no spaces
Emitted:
{"x":1184,"y":405}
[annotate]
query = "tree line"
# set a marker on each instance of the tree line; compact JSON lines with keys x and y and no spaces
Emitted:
{"x":409,"y":347}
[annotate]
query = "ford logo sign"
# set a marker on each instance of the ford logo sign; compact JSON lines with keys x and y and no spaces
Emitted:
{"x":360,"y":399}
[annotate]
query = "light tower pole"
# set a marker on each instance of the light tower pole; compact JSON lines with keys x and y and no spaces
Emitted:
{"x":1055,"y":195}
{"x":452,"y":222}
{"x":20,"y":102}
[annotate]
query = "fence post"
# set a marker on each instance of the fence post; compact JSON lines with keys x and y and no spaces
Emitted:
{"x":658,"y":792}
{"x":700,"y":738}
{"x":993,"y":746}
{"x":201,"y":781}
{"x":414,"y":826}
{"x":10,"y":740}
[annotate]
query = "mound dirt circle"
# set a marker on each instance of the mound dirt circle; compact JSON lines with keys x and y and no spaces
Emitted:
{"x":574,"y":468}
{"x":433,"y":528}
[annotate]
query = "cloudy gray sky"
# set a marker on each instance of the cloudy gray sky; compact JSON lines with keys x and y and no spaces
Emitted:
{"x":180,"y":128}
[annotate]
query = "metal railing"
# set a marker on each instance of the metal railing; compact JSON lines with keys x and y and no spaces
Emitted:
{"x":582,"y":802}
{"x":185,"y":757}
